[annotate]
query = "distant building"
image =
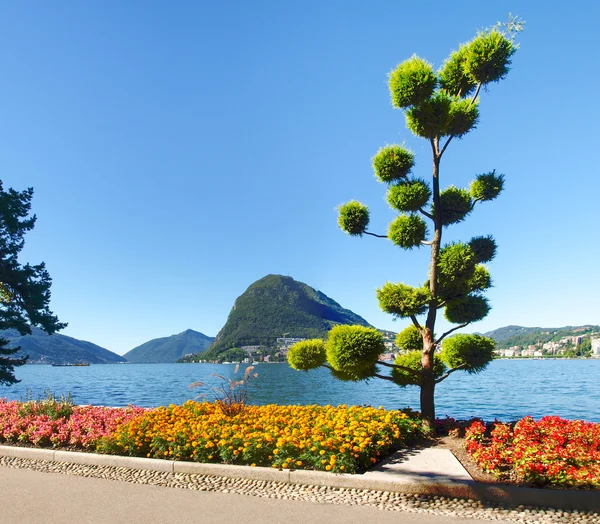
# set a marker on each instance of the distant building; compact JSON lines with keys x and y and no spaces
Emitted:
{"x":596,"y":347}
{"x":285,"y":343}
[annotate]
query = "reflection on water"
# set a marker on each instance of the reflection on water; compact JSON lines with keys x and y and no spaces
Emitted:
{"x":507,"y":390}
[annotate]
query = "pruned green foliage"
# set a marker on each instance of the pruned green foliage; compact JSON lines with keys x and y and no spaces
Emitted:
{"x":470,"y":308}
{"x":409,"y":339}
{"x":353,"y":217}
{"x":462,"y":117}
{"x":487,"y":187}
{"x":488,"y":55}
{"x":402,"y":300}
{"x":393,"y":163}
{"x":481,"y":279}
{"x":453,"y":78}
{"x":484,"y":248}
{"x":430,"y":118}
{"x":353,"y":351}
{"x":412,"y":82}
{"x":409,"y":196}
{"x":473,"y":352}
{"x":407,"y":231}
{"x":307,"y":354}
{"x":456,"y":204}
{"x":456,"y":265}
{"x":412,"y":360}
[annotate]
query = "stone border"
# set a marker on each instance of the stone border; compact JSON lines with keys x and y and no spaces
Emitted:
{"x":507,"y":495}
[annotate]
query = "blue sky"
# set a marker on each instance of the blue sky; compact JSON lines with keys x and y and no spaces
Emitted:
{"x":181,"y":151}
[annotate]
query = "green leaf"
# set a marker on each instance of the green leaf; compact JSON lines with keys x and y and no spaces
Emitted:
{"x":412,"y":360}
{"x":453,"y":78}
{"x":487,"y":56}
{"x":393,"y":163}
{"x":412,"y":82}
{"x":456,"y":204}
{"x":307,"y":354}
{"x":410,"y":339}
{"x":487,"y":187}
{"x":484,"y":248}
{"x":352,"y":351}
{"x":353,"y":217}
{"x":475,"y":352}
{"x":409,"y":196}
{"x":402,"y":300}
{"x":407,"y":231}
{"x":470,"y":308}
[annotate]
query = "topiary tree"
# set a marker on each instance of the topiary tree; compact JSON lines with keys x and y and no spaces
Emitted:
{"x":439,"y":107}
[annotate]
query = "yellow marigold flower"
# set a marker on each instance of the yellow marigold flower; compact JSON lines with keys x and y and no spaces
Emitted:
{"x":253,"y":465}
{"x":328,"y":467}
{"x":298,"y":463}
{"x":322,"y":452}
{"x":284,"y":465}
{"x":323,"y":461}
{"x":275,"y":451}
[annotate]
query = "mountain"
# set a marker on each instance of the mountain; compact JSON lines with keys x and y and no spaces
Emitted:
{"x":275,"y":305}
{"x":58,"y":349}
{"x":524,"y":336}
{"x":170,"y":349}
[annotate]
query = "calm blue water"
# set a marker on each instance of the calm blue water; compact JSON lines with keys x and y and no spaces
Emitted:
{"x":507,"y":390}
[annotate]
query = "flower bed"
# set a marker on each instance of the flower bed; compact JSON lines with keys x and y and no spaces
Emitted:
{"x":549,"y":452}
{"x":338,"y":439}
{"x":60,"y":424}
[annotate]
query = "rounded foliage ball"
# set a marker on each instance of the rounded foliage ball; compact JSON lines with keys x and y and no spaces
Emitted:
{"x":453,"y":78}
{"x":412,"y":82}
{"x":462,"y":117}
{"x":456,"y":204}
{"x":429,"y":119}
{"x":407,"y":231}
{"x":481,"y":279}
{"x":409,"y":196}
{"x":487,"y":56}
{"x":487,"y":187}
{"x":393,"y":163}
{"x":402,"y":300}
{"x":412,"y":360}
{"x":470,"y":308}
{"x":474,"y":352}
{"x":353,"y":217}
{"x":354,"y":350}
{"x":484,"y":248}
{"x":410,"y":339}
{"x":456,"y":265}
{"x":307,"y":354}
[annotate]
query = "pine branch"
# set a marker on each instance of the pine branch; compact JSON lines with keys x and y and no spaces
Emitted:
{"x":403,"y":368}
{"x":447,"y":374}
{"x":374,"y":235}
{"x":450,"y":331}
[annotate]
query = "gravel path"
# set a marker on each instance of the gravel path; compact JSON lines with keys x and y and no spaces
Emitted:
{"x":383,"y":500}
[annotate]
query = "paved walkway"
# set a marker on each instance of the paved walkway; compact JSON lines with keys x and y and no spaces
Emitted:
{"x":29,"y":497}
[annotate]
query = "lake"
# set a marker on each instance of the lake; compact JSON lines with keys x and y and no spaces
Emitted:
{"x":506,"y":390}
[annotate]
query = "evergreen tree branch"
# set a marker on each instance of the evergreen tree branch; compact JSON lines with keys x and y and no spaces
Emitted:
{"x":450,"y":331}
{"x":403,"y":368}
{"x":452,"y":136}
{"x":447,"y":374}
{"x":374,"y":235}
{"x":426,"y":242}
{"x":416,"y":322}
{"x":383,"y":377}
{"x":425,"y":213}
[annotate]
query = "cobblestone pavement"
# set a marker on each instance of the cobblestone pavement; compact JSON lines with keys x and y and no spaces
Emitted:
{"x":382,"y":500}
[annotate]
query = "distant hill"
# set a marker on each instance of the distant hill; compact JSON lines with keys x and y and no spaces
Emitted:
{"x":275,"y":305}
{"x":170,"y":349}
{"x":58,"y":349}
{"x":524,"y":336}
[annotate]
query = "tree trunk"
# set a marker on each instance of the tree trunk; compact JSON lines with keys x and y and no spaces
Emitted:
{"x":428,"y":383}
{"x":427,"y":377}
